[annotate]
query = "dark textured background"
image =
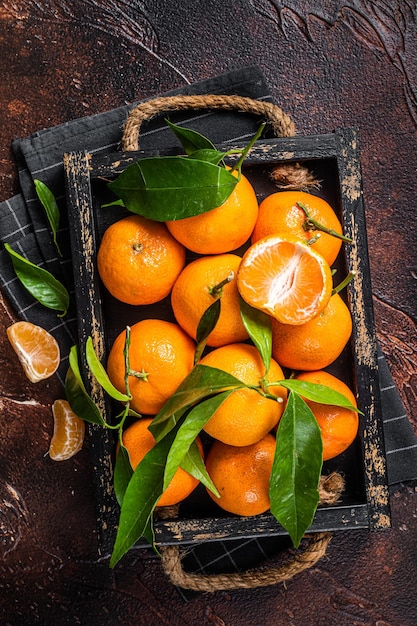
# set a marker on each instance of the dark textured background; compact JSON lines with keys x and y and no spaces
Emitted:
{"x":344,"y":64}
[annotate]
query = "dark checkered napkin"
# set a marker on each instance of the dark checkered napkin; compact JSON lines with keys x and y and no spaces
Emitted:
{"x":23,"y":225}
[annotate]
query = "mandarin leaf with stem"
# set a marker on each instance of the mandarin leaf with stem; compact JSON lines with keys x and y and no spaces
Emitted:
{"x":48,"y":201}
{"x":40,"y":283}
{"x":100,"y":373}
{"x":296,"y":469}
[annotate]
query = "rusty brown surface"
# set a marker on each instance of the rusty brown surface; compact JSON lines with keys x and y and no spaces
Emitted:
{"x":350,"y":63}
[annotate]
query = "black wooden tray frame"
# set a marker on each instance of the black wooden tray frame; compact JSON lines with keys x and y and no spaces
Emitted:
{"x":342,"y":148}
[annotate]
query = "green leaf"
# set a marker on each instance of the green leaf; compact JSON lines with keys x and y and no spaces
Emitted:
{"x":190,"y":139}
{"x":100,"y":373}
{"x":141,"y":496}
{"x":318,"y":393}
{"x":259,"y":328}
{"x":194,"y":465}
{"x":211,"y":156}
{"x":296,"y":470}
{"x":80,"y":401}
{"x":172,"y":187}
{"x":192,"y":425}
{"x":202,"y":382}
{"x":205,"y":326}
{"x":123,"y":472}
{"x":48,"y":202}
{"x":40,"y":283}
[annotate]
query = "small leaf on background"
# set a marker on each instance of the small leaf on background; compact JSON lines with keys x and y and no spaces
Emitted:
{"x":141,"y":496}
{"x":48,"y":202}
{"x":296,"y":470}
{"x":100,"y":373}
{"x":205,"y":326}
{"x":40,"y":283}
{"x":190,"y":139}
{"x":203,"y":381}
{"x":172,"y":187}
{"x":259,"y":328}
{"x":123,"y":472}
{"x":318,"y":393}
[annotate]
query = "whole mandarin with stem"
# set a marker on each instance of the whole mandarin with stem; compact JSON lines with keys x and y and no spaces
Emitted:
{"x":200,"y":283}
{"x":246,"y":415}
{"x":138,"y":260}
{"x":304,"y":215}
{"x":161,"y":355}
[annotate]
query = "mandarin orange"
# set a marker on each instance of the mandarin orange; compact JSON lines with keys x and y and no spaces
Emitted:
{"x":197,"y":287}
{"x":37,"y":350}
{"x":161,"y":355}
{"x":245,"y":416}
{"x":338,"y":425}
{"x":138,"y":260}
{"x":138,"y":440}
{"x":284,"y":277}
{"x":222,"y":229}
{"x":281,"y":212}
{"x":317,"y":343}
{"x":69,"y":431}
{"x":241,"y":475}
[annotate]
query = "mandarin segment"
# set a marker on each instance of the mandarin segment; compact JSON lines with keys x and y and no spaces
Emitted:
{"x":281,"y":212}
{"x":245,"y":416}
{"x":69,"y":431}
{"x":338,"y":425}
{"x":222,"y":229}
{"x":138,"y":260}
{"x":161,"y":355}
{"x":241,"y":475}
{"x":195,"y":290}
{"x":317,"y":343}
{"x":285,"y":278}
{"x":138,"y":440}
{"x":38,"y":351}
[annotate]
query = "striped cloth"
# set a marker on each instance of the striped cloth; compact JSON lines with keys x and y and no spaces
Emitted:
{"x":23,"y":226}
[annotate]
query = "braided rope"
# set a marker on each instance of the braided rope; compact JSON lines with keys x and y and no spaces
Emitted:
{"x":330,"y":489}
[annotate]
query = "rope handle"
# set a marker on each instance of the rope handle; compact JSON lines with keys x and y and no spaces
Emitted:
{"x":281,"y":123}
{"x":289,"y":176}
{"x":330,"y":488}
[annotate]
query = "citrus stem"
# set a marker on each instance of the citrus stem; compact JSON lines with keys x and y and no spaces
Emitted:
{"x":238,"y":164}
{"x":344,"y":283}
{"x":263,"y":392}
{"x":217,"y":290}
{"x":311,"y":224}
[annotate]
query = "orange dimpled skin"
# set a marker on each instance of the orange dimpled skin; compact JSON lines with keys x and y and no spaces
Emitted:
{"x":241,"y":475}
{"x":138,"y":260}
{"x":281,"y":213}
{"x":161,"y":354}
{"x":317,"y":343}
{"x":138,"y":440}
{"x":245,"y":416}
{"x":222,"y":229}
{"x":195,"y":290}
{"x":338,"y":425}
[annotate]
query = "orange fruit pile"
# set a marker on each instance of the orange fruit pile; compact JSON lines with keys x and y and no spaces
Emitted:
{"x":284,"y":271}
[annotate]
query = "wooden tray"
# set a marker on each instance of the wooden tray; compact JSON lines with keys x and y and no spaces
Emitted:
{"x":334,"y":159}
